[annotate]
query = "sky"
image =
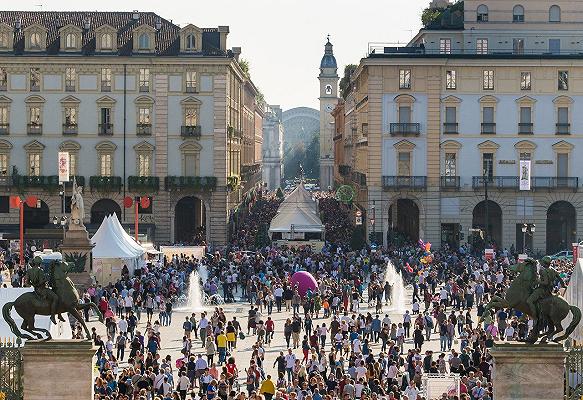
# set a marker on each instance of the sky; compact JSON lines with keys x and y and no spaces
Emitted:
{"x":283,"y":40}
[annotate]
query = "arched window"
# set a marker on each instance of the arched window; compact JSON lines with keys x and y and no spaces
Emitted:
{"x":3,"y":40}
{"x":482,"y":13}
{"x":71,"y":41}
{"x":328,"y":89}
{"x":106,"y":41}
{"x":190,"y":42}
{"x":555,"y":14}
{"x":518,"y":14}
{"x":144,"y":41}
{"x":35,"y":40}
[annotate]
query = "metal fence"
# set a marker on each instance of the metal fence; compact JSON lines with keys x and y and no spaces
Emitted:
{"x":574,"y":373}
{"x":10,"y":370}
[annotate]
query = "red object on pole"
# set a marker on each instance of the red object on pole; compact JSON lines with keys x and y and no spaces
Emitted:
{"x":136,"y":223}
{"x":21,"y":210}
{"x":145,"y":202}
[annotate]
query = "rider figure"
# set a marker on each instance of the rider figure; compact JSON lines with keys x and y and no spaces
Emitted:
{"x":543,"y":285}
{"x":36,"y":277}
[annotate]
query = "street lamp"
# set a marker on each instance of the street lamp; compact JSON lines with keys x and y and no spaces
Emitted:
{"x":374,"y":217}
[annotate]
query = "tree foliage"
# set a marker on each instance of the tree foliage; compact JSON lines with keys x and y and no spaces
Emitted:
{"x":345,"y":81}
{"x":279,"y":193}
{"x":244,"y":64}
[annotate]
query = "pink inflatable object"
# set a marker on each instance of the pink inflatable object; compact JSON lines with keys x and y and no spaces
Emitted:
{"x":304,"y":280}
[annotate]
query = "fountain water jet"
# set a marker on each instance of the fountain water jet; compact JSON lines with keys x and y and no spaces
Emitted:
{"x":394,"y":278}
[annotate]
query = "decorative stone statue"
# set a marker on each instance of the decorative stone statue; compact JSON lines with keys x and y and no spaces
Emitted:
{"x":531,"y":292}
{"x":77,"y":206}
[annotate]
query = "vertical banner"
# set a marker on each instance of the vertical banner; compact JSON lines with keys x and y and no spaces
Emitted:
{"x":524,"y":174}
{"x":575,"y":252}
{"x":63,"y":166}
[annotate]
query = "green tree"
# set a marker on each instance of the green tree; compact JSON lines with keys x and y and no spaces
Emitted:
{"x":279,"y":193}
{"x":244,"y":64}
{"x":345,"y":81}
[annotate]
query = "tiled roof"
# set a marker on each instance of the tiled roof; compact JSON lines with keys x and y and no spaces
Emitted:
{"x":167,"y":37}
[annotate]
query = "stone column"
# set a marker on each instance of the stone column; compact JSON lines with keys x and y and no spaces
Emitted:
{"x":58,"y":369}
{"x":530,"y":372}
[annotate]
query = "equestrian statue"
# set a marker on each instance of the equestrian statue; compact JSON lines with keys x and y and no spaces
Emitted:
{"x":532,"y":292}
{"x":50,"y":297}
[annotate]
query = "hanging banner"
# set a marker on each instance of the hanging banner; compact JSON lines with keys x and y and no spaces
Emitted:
{"x":63,"y":166}
{"x":524,"y":174}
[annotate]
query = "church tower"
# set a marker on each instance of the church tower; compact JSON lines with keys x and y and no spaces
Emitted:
{"x":328,"y":99}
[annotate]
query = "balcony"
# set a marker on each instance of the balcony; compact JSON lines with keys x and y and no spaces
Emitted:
{"x":34,"y":129}
{"x":105,"y":183}
{"x":496,"y":182}
{"x":344,"y":170}
{"x":555,"y":183}
{"x":190,"y":88}
{"x":191,"y":131}
{"x":563,"y":129}
{"x":105,"y":129}
{"x":359,"y":178}
{"x":450,"y":182}
{"x":143,"y":129}
{"x":50,"y":182}
{"x":404,"y":182}
{"x":177,"y":183}
{"x":6,"y":180}
{"x":145,"y":184}
{"x":525,"y":128}
{"x":488,"y":128}
{"x":450,"y":128}
{"x":4,"y":129}
{"x":106,"y":86}
{"x":405,"y":129}
{"x":70,"y":129}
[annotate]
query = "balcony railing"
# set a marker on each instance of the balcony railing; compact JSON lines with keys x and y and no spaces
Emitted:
{"x":43,"y":182}
{"x":563,"y":129}
{"x":405,"y":182}
{"x":450,"y":127}
{"x":143,"y":183}
{"x":70,"y":129}
{"x":359,"y":178}
{"x":34,"y":129}
{"x":488,"y":128}
{"x":143,"y":129}
{"x":344,"y":170}
{"x":525,"y":128}
{"x":105,"y":129}
{"x":106,"y":87}
{"x":4,"y":129}
{"x":450,"y":182}
{"x":555,"y":183}
{"x":177,"y":183}
{"x":6,"y":180}
{"x":405,"y":129}
{"x":105,"y":183}
{"x":496,"y":182}
{"x":191,"y":131}
{"x":3,"y":86}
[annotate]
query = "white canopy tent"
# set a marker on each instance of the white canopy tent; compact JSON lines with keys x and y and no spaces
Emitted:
{"x":574,"y":296}
{"x":297,"y":217}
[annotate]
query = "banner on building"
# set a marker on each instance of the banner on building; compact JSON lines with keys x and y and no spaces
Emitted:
{"x":524,"y":174}
{"x":63,"y":166}
{"x":575,"y":252}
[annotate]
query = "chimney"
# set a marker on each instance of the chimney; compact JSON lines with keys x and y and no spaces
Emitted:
{"x":223,"y":31}
{"x":236,"y":52}
{"x":135,"y":15}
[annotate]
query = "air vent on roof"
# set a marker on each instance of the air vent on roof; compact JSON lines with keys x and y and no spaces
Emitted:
{"x":18,"y":24}
{"x":135,"y":15}
{"x":86,"y":24}
{"x":158,"y":23}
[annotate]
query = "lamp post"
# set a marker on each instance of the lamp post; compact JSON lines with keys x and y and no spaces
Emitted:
{"x":487,"y":216}
{"x":372,"y":221}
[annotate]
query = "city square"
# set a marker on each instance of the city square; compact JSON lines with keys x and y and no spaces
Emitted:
{"x":248,"y":202}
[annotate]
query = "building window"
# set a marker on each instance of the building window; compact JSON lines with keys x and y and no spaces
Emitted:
{"x":450,"y":164}
{"x":35,"y":40}
{"x":405,"y":79}
{"x":518,"y":46}
{"x":525,"y":156}
{"x":404,"y":163}
{"x":70,"y":41}
{"x":563,"y":80}
{"x":70,"y":79}
{"x":4,"y":121}
{"x":562,"y":165}
{"x":34,"y":116}
{"x":35,"y":79}
{"x":190,"y":42}
{"x":72,"y":163}
{"x":3,"y":79}
{"x":144,"y":168}
{"x":105,"y":166}
{"x":34,"y":164}
{"x":450,"y":125}
{"x":3,"y":40}
{"x":525,"y":81}
{"x":488,"y":124}
{"x":450,"y":80}
{"x":144,"y":79}
{"x":71,"y":116}
{"x":482,"y":13}
{"x":488,"y":165}
{"x":488,"y":81}
{"x":3,"y":164}
{"x":525,"y":124}
{"x":105,"y":125}
{"x":190,"y":81}
{"x":107,"y":41}
{"x":445,"y":46}
{"x":364,"y":130}
{"x":106,"y":79}
{"x":404,"y":115}
{"x":563,"y":125}
{"x":555,"y":14}
{"x":144,"y":41}
{"x":482,"y":46}
{"x":555,"y":46}
{"x":518,"y":14}
{"x":191,"y":116}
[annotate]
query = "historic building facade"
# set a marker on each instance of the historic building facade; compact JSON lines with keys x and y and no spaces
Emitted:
{"x":142,"y":106}
{"x":273,"y":133}
{"x":451,"y":116}
{"x":328,"y":99}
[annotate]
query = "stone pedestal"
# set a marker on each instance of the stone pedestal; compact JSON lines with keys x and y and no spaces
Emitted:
{"x":58,"y":369}
{"x":529,"y":372}
{"x":76,"y":249}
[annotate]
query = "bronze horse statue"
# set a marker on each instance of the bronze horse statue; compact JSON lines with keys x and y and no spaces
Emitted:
{"x":553,"y":309}
{"x":28,"y":305}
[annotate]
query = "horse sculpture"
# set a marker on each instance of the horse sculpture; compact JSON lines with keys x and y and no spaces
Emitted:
{"x":30,"y":304}
{"x":552,"y":309}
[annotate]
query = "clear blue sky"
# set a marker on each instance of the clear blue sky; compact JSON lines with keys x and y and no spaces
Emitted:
{"x":283,"y":40}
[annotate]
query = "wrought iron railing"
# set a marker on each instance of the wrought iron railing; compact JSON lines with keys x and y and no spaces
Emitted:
{"x":525,"y":128}
{"x":172,"y":183}
{"x":70,"y":129}
{"x":106,"y":183}
{"x":450,"y":182}
{"x":450,"y":127}
{"x":405,"y":129}
{"x":405,"y":182}
{"x":563,"y":129}
{"x":555,"y":183}
{"x":488,"y":128}
{"x":496,"y":182}
{"x":191,"y":131}
{"x":105,"y":129}
{"x":4,"y":129}
{"x":344,"y":170}
{"x":143,"y":183}
{"x":143,"y":129}
{"x":34,"y":129}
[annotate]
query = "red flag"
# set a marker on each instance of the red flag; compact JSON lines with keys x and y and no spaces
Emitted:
{"x":31,"y":201}
{"x":128,"y":202}
{"x":14,"y":202}
{"x":145,"y":202}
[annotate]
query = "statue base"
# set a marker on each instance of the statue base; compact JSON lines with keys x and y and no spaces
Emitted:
{"x":532,"y":372}
{"x":58,"y":369}
{"x":76,"y":249}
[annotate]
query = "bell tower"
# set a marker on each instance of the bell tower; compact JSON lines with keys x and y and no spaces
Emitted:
{"x":328,"y":100}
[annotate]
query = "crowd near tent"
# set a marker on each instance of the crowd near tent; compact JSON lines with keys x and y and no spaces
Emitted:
{"x":297,"y":218}
{"x":114,"y":248}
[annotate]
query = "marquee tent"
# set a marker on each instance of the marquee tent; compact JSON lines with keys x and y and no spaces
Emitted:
{"x":574,"y":296}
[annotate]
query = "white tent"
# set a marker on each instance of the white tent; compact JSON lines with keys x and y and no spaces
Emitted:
{"x":574,"y":296}
{"x":297,"y":215}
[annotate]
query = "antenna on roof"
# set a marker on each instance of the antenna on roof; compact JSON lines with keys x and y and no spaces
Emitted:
{"x":39,"y":6}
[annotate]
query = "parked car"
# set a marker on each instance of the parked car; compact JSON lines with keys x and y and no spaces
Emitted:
{"x":562,"y":255}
